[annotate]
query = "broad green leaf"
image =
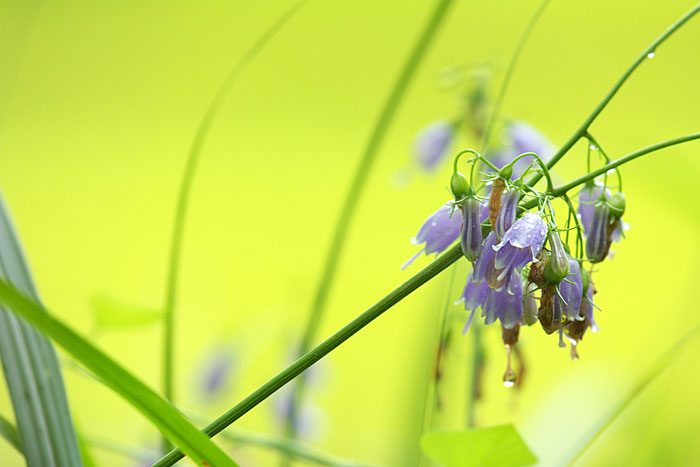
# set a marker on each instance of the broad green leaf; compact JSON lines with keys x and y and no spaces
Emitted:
{"x":110,"y":313}
{"x":496,"y":446}
{"x":9,"y":433}
{"x":32,"y":371}
{"x":167,"y":418}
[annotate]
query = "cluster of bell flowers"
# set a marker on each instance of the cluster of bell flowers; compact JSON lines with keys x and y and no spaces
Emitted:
{"x":518,"y":257}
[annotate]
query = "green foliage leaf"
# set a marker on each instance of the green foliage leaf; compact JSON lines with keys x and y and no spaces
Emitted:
{"x":110,"y":313}
{"x":164,"y":415}
{"x":32,"y":371}
{"x":9,"y":433}
{"x":496,"y":446}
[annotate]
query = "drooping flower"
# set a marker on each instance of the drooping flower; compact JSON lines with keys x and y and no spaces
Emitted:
{"x":567,"y":302}
{"x":503,"y":305}
{"x":587,"y":198}
{"x":521,"y":137}
{"x":471,"y":237}
{"x":599,"y":234}
{"x":441,"y":229}
{"x":506,"y":215}
{"x":473,"y":297}
{"x":431,"y":144}
{"x":438,"y":232}
{"x":576,"y":329}
{"x":520,"y":245}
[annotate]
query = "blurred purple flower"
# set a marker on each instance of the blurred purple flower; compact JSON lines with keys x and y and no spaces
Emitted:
{"x":521,"y":137}
{"x":431,"y":144}
{"x":216,"y":372}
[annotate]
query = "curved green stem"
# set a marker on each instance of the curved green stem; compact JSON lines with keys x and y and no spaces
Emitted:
{"x":348,"y":208}
{"x":595,"y":143}
{"x":184,"y":194}
{"x":601,"y":105}
{"x":509,"y":73}
{"x":545,"y":170}
{"x":579,"y":236}
{"x":398,"y":294}
{"x":475,"y":154}
{"x":623,"y":160}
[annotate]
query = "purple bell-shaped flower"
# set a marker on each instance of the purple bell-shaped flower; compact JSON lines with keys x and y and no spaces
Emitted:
{"x":432,"y":143}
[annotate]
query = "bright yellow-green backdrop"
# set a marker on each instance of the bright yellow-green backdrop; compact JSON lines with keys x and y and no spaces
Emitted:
{"x":99,"y":102}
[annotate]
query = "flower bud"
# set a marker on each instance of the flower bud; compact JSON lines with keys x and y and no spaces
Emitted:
{"x":506,"y":172}
{"x":558,"y":267}
{"x":471,"y":229}
{"x":617,"y":203}
{"x":597,"y":243}
{"x":459,"y":185}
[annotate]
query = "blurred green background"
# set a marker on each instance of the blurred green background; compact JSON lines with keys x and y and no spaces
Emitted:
{"x":99,"y":102}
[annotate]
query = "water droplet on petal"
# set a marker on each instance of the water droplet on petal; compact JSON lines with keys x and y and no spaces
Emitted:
{"x":592,"y":147}
{"x":651,"y":55}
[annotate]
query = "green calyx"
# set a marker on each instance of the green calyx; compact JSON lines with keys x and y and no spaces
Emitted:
{"x":557,"y":267}
{"x":585,"y":280}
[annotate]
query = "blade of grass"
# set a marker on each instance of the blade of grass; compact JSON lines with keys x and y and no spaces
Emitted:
{"x":186,"y":187}
{"x":9,"y":433}
{"x":184,"y":195}
{"x":32,"y":371}
{"x":362,"y":172}
{"x":167,"y":418}
{"x":654,"y":372}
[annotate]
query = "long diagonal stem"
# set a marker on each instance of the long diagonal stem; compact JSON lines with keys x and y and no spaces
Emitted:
{"x":581,"y":130}
{"x":398,"y":294}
